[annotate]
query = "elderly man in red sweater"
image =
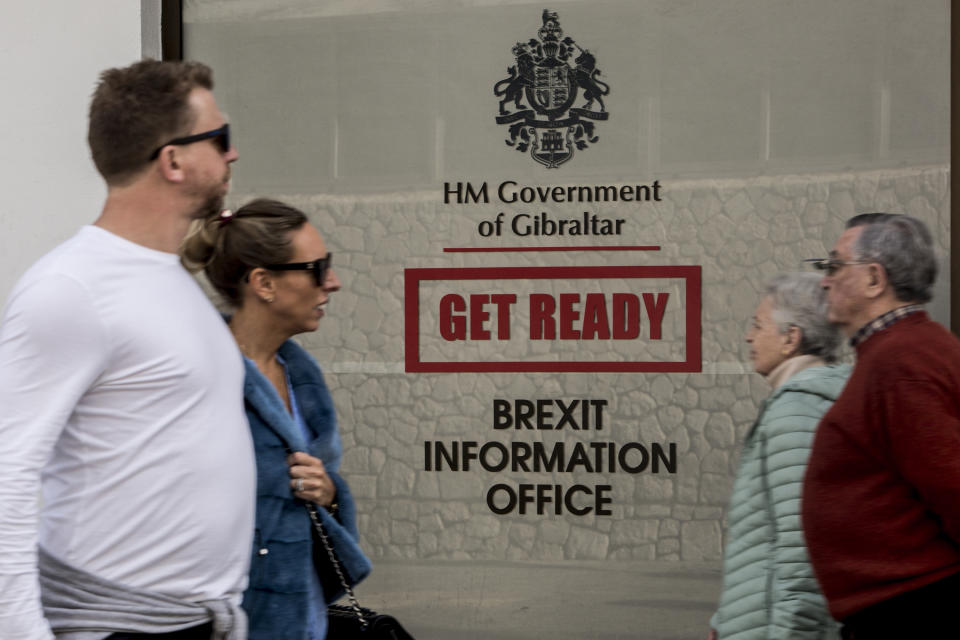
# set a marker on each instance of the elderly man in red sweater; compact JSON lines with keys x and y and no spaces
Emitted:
{"x":881,"y":499}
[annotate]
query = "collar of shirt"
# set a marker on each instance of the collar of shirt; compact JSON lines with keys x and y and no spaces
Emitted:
{"x":882,"y":322}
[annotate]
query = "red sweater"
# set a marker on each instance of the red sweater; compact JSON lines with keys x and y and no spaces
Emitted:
{"x":881,"y":498}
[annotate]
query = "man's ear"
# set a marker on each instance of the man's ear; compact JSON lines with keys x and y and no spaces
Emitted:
{"x":170,"y":164}
{"x":877,"y":280}
{"x":791,"y":343}
{"x":263,"y":285}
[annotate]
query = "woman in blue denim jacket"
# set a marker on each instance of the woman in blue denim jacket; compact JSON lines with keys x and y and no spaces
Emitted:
{"x":274,"y":269}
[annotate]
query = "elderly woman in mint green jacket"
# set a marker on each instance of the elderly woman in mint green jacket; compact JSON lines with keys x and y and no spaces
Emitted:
{"x":769,"y":589}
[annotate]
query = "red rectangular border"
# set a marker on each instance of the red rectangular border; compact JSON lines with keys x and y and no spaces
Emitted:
{"x":411,"y":304}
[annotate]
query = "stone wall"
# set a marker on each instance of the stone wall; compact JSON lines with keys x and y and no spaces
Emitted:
{"x":739,"y":231}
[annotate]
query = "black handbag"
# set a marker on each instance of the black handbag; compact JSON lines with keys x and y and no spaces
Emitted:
{"x":353,"y":621}
{"x":344,"y":622}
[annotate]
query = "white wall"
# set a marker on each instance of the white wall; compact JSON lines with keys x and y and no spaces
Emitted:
{"x":51,"y":52}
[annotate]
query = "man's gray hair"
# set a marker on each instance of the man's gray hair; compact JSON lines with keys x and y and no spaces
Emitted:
{"x":904,"y":247}
{"x":799,"y":301}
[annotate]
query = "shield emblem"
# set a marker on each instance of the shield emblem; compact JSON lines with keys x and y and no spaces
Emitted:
{"x":553,"y":90}
{"x":543,"y":86}
{"x":551,"y":148}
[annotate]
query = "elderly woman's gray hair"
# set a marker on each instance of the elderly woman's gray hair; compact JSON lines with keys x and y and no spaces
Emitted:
{"x":904,"y":246}
{"x":799,"y":301}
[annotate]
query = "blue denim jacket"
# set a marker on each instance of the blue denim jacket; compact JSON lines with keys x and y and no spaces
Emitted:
{"x":276,"y":598}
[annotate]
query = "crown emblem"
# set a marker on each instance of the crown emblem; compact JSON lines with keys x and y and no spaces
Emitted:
{"x":543,"y":87}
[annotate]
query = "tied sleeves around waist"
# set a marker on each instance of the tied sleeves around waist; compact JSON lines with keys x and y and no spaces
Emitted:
{"x":82,"y":606}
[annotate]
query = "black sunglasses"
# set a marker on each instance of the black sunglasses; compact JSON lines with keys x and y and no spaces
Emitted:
{"x":319,"y":267}
{"x":221,"y":136}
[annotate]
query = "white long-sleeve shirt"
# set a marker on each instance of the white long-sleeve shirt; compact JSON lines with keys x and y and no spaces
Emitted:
{"x":121,"y":397}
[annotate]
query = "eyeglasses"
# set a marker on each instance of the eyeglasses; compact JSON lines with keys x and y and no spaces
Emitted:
{"x":832,"y":265}
{"x":319,"y":268}
{"x":220,"y":136}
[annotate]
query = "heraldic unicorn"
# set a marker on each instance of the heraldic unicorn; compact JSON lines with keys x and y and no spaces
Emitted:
{"x":549,"y":124}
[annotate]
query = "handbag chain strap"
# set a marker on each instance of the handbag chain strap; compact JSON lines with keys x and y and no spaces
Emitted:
{"x":354,"y":603}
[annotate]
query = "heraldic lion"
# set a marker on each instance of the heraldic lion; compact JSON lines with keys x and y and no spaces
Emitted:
{"x":586,"y":78}
{"x":517,"y":80}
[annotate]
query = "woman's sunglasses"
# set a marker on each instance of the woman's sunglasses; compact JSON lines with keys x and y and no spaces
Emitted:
{"x":319,"y":268}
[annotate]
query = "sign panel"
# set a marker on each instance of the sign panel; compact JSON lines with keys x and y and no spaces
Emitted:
{"x":594,"y":318}
{"x":552,"y":226}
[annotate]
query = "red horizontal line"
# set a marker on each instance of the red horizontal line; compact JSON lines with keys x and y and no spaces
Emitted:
{"x":577,"y":248}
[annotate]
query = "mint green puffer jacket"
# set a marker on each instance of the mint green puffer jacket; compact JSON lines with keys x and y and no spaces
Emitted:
{"x":769,"y":590}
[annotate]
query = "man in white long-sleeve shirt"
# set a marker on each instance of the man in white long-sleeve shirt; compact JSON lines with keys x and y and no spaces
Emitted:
{"x":121,"y":394}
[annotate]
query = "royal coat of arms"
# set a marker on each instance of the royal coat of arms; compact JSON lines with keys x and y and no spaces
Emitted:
{"x":543,"y":87}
